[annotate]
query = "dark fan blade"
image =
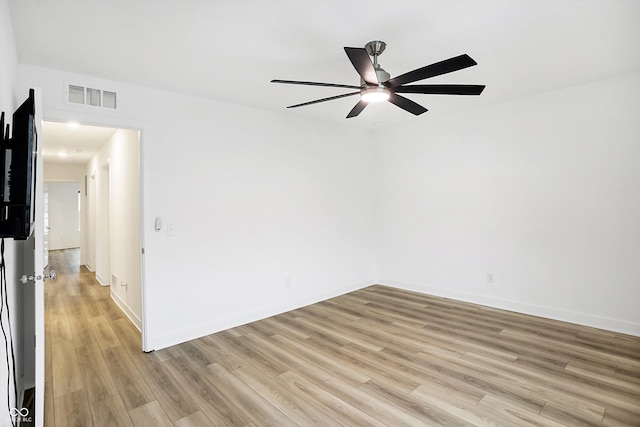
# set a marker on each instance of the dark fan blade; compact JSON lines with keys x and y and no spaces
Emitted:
{"x":357,"y":109}
{"x":331,"y":98}
{"x":442,"y":67}
{"x":296,"y":82}
{"x":406,"y":104}
{"x":441,"y":89}
{"x":361,"y":62}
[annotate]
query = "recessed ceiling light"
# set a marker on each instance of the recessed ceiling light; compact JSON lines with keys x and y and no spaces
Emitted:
{"x":73,"y":125}
{"x":62,"y":154}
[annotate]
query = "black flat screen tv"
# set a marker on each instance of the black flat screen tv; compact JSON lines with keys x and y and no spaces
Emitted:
{"x":18,"y":174}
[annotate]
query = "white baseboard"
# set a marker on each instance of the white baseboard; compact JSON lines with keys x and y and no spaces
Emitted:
{"x":127,"y":311}
{"x":187,"y":334}
{"x":600,"y":322}
{"x":101,"y":280}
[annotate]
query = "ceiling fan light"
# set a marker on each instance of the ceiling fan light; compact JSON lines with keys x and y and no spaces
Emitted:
{"x":377,"y":94}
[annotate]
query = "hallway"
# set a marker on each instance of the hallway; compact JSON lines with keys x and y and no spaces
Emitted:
{"x":89,"y":344}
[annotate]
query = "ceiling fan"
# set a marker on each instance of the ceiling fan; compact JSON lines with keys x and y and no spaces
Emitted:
{"x":376,"y":84}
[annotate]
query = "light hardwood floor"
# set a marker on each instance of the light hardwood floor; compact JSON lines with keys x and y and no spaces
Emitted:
{"x":377,"y":356}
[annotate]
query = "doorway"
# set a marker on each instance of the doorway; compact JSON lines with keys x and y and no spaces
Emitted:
{"x":103,"y":162}
{"x":63,"y":210}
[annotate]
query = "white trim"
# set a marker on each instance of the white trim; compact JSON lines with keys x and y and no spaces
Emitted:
{"x":100,"y":280}
{"x":109,"y":120}
{"x":584,"y":319}
{"x":126,"y":310}
{"x":144,"y":331}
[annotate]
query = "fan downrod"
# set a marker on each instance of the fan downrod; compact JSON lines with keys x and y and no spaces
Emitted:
{"x":374,"y":49}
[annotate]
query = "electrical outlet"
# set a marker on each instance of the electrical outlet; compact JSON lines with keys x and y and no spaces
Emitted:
{"x":490,"y":278}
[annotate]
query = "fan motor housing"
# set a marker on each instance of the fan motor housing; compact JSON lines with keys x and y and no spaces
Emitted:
{"x":382,"y":75}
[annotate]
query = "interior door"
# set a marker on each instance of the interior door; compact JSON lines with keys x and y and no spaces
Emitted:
{"x":47,"y":227}
{"x":34,"y":255}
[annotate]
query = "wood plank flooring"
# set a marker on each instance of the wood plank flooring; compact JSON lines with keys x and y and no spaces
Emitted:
{"x":377,"y":356}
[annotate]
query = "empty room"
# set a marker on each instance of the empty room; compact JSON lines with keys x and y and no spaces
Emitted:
{"x":323,"y":213}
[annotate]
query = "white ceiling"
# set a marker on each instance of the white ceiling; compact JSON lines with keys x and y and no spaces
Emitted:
{"x":72,"y":144}
{"x":230,"y":50}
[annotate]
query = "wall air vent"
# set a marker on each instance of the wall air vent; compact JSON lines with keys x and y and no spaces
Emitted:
{"x":108,"y":99}
{"x":76,"y":94}
{"x":91,"y":96}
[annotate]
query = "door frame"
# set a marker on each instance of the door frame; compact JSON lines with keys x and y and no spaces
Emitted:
{"x":119,"y":123}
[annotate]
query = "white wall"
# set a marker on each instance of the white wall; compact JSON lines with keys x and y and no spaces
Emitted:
{"x":541,"y":192}
{"x":61,"y":172}
{"x":9,"y":96}
{"x":9,"y":64}
{"x":270,"y":212}
{"x":64,"y":232}
{"x":116,"y":217}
